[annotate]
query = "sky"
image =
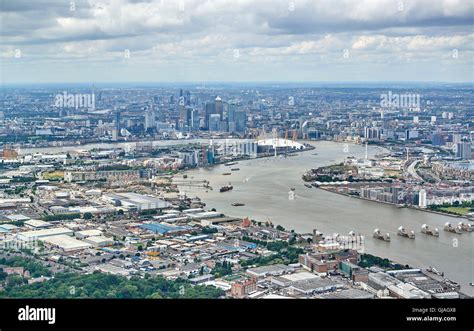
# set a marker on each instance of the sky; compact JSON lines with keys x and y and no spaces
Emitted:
{"x":55,"y":41}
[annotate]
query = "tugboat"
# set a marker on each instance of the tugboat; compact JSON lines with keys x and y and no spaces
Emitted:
{"x":238,"y":204}
{"x":404,"y":233}
{"x":226,"y":188}
{"x":449,"y":228}
{"x":466,"y":227}
{"x":378,"y":235}
{"x":426,"y":230}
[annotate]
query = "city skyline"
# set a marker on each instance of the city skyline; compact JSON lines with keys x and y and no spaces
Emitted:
{"x":238,"y":41}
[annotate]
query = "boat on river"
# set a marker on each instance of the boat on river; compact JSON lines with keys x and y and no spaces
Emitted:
{"x":238,"y":204}
{"x":226,"y":188}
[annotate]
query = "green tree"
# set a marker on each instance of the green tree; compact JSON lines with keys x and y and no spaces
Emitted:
{"x":14,"y":280}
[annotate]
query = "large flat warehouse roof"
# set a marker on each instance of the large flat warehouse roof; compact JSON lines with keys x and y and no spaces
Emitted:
{"x":66,"y":242}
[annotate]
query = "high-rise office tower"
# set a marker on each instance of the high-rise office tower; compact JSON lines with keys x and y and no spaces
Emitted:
{"x":194,"y":121}
{"x":209,"y":108}
{"x":463,"y":150}
{"x":187,"y":98}
{"x":219,"y":106}
{"x":240,"y":121}
{"x":214,"y":122}
{"x":149,"y":118}
{"x":231,"y":111}
{"x":231,"y":124}
{"x":422,"y":198}
{"x":117,"y":122}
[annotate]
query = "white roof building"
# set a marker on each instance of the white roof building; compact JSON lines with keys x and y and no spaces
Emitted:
{"x":136,"y":201}
{"x":65,"y":243}
{"x":37,"y":224}
{"x":99,"y":241}
{"x":280,"y":143}
{"x":87,"y":233}
{"x":38,"y":234}
{"x":17,"y":217}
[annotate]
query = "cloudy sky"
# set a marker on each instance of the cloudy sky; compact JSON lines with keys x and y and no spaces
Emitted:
{"x":232,"y":41}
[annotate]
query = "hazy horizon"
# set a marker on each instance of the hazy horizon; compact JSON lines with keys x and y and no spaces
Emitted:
{"x":245,"y":83}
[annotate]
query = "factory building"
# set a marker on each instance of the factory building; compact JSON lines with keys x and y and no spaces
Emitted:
{"x":40,"y":234}
{"x":99,"y":241}
{"x":135,"y":201}
{"x":65,"y":243}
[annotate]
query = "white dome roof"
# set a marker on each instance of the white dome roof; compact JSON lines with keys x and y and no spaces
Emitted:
{"x":280,"y":142}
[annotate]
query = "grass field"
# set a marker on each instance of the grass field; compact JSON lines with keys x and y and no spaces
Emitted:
{"x":457,"y":210}
{"x":56,"y":175}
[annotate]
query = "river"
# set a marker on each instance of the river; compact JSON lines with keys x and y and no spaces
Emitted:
{"x":263,"y":185}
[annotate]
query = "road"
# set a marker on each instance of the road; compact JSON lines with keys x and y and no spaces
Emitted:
{"x":411,"y":169}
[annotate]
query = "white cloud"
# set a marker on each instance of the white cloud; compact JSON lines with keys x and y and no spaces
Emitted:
{"x":266,"y":32}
